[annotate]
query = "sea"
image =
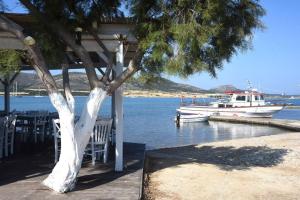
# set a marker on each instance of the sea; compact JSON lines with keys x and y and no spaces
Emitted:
{"x":151,"y":121}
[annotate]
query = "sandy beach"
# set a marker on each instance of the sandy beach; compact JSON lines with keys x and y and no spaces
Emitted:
{"x":144,"y":93}
{"x":257,"y":168}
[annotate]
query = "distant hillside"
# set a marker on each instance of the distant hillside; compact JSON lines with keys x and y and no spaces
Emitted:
{"x":25,"y":80}
{"x":31,"y":84}
{"x":223,"y":88}
{"x":160,"y":84}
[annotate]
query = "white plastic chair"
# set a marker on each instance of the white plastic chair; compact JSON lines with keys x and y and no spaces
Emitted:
{"x":57,"y":138}
{"x":99,"y":140}
{"x":10,"y":124}
{"x":40,"y":121}
{"x":22,"y":127}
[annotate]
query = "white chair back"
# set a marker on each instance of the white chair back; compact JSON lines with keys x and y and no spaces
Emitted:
{"x":10,"y":123}
{"x":41,"y":117}
{"x":56,"y":127}
{"x":10,"y":120}
{"x":57,"y":137}
{"x":101,"y":131}
{"x":98,"y":144}
{"x":40,"y":121}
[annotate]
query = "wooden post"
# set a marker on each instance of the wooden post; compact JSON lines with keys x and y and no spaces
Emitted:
{"x":118,"y":107}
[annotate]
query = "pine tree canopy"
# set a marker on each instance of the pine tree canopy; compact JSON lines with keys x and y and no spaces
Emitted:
{"x":10,"y":61}
{"x":183,"y":37}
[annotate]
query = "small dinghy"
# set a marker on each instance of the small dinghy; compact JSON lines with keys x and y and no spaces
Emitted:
{"x":181,"y":117}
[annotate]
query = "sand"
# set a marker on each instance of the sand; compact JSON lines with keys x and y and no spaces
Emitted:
{"x":257,"y":168}
{"x":161,"y":94}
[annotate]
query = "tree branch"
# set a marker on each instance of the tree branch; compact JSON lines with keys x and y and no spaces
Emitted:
{"x":36,"y":58}
{"x":107,"y":71}
{"x":94,"y":33}
{"x":101,"y":71}
{"x":91,"y":30}
{"x":133,"y":67}
{"x":14,"y":77}
{"x":106,"y":52}
{"x":3,"y":82}
{"x":68,"y":39}
{"x":67,"y":89}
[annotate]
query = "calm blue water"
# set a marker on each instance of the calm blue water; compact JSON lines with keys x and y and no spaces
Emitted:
{"x":150,"y":121}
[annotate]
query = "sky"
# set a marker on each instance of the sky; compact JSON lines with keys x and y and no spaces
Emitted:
{"x":272,"y":65}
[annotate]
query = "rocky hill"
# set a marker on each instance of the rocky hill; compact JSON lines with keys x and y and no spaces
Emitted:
{"x":31,"y":84}
{"x":160,"y":84}
{"x":223,"y":88}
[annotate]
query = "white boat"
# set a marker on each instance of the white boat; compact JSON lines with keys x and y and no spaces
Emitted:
{"x":240,"y":104}
{"x":191,"y":118}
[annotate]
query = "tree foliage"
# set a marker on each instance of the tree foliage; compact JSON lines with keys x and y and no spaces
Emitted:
{"x":10,"y":61}
{"x":74,"y":13}
{"x":178,"y":37}
{"x":190,"y":36}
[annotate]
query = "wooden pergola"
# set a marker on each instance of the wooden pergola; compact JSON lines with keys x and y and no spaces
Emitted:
{"x":117,"y":37}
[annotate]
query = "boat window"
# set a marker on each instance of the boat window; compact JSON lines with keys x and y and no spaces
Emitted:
{"x":256,"y":98}
{"x":221,"y":105}
{"x":240,"y":98}
{"x":261,"y":97}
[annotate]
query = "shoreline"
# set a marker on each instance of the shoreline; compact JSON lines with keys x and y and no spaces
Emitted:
{"x":266,"y":167}
{"x":162,"y":94}
{"x":150,"y":93}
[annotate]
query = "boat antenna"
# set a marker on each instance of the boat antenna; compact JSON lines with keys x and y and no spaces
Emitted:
{"x":251,"y":90}
{"x":249,"y":85}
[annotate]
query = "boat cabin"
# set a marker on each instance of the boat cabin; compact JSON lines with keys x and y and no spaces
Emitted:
{"x":241,"y":99}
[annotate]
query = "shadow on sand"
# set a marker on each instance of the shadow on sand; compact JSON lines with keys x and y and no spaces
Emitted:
{"x":226,"y":158}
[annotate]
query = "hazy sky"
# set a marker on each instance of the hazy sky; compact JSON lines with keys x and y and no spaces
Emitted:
{"x":272,"y":65}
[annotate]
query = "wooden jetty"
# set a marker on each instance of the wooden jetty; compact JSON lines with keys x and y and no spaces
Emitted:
{"x":292,"y":107}
{"x":293,"y":125}
{"x":21,"y":177}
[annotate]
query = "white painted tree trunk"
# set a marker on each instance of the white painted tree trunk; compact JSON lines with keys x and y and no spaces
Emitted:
{"x":74,"y":139}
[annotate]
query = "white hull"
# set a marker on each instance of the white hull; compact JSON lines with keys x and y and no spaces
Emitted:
{"x":255,"y":111}
{"x":193,"y":118}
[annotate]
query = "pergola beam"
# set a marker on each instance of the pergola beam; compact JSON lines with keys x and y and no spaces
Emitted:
{"x":104,"y":45}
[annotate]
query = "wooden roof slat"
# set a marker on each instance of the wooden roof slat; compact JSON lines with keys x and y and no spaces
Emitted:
{"x":107,"y":31}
